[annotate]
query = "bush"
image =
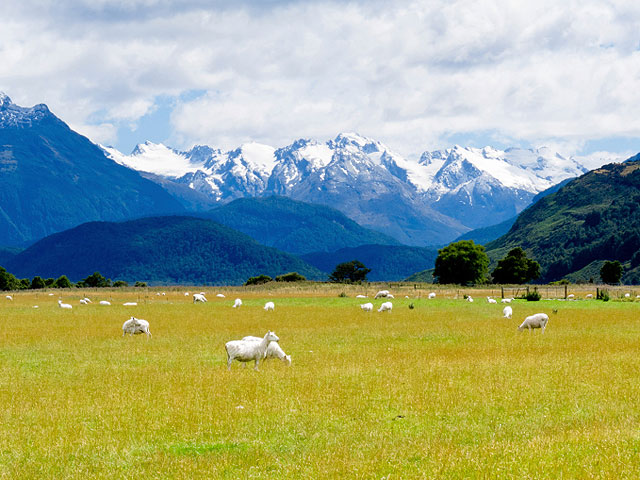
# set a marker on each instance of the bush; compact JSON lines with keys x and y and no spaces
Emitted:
{"x":290,"y":277}
{"x":259,"y":280}
{"x":120,"y":283}
{"x":343,"y":295}
{"x":533,"y":296}
{"x":140,"y":284}
{"x":603,"y":295}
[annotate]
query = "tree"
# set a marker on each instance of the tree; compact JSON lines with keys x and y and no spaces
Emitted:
{"x":461,"y":262}
{"x":516,"y":268}
{"x":291,"y":277}
{"x":62,"y":282}
{"x":96,"y":280}
{"x":37,"y":283}
{"x":349,"y":272}
{"x":120,"y":283}
{"x":611,"y":272}
{"x":258,"y":280}
{"x":8,"y":281}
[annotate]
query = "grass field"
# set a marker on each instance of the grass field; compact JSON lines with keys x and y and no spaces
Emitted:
{"x":449,"y":389}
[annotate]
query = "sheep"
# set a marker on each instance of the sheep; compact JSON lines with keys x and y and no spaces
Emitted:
{"x":9,"y":297}
{"x":381,"y":294}
{"x":130,"y":304}
{"x":361,"y":296}
{"x":432,"y":295}
{"x":274,"y":350}
{"x":186,"y":294}
{"x":469,"y":299}
{"x":571,"y":296}
{"x":104,"y":302}
{"x":367,"y":307}
{"x":64,"y":305}
{"x":390,"y":296}
{"x":507,"y":312}
{"x":248,"y":350}
{"x":539,"y":320}
{"x":491,"y":300}
{"x":86,"y":299}
{"x":83,"y":302}
{"x":237,"y":303}
{"x":506,"y":300}
{"x":627,"y":295}
{"x":589,"y":295}
{"x":386,"y":307}
{"x":220,"y":295}
{"x":199,"y":297}
{"x":134,"y":326}
{"x":269,"y":306}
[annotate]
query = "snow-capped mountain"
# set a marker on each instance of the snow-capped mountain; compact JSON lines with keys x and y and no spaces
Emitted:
{"x":425,"y":202}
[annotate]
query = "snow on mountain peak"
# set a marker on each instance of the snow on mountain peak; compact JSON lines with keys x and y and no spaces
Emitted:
{"x":155,"y":158}
{"x":4,"y":99}
{"x":259,"y":155}
{"x":12,"y":115}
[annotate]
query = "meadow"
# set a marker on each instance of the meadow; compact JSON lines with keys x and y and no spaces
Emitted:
{"x":448,"y":389}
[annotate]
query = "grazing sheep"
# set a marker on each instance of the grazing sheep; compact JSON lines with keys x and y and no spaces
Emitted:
{"x":539,"y":320}
{"x":506,"y":300}
{"x":237,"y":303}
{"x":86,"y":299}
{"x":199,"y":297}
{"x":274,"y":350}
{"x":269,"y":306}
{"x":220,"y":295}
{"x":571,"y":296}
{"x":507,"y":312}
{"x":361,"y":296}
{"x":83,"y":302}
{"x":9,"y":297}
{"x":386,"y":307}
{"x":469,"y":299}
{"x":589,"y":295}
{"x":249,"y":350}
{"x":64,"y":305}
{"x":627,"y":295}
{"x":186,"y":294}
{"x":432,"y":295}
{"x":104,"y":302}
{"x":134,"y":326}
{"x":381,"y":294}
{"x":390,"y":296}
{"x":367,"y":307}
{"x":130,"y":304}
{"x":491,"y":300}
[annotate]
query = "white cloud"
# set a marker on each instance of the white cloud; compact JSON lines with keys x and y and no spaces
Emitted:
{"x":410,"y":74}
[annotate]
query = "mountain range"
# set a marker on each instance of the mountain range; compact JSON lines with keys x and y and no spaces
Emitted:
{"x":429,"y":201}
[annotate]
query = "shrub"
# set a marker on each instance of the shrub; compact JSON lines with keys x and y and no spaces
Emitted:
{"x":343,"y":295}
{"x":533,"y":296}
{"x":259,"y":280}
{"x":120,"y":283}
{"x":290,"y":277}
{"x":411,"y":306}
{"x":140,"y":284}
{"x":603,"y":295}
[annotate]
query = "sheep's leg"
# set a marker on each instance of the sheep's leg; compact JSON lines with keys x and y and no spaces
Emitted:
{"x":229,"y":360}
{"x":255,"y":365}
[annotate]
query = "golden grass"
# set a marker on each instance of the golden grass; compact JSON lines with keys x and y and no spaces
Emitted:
{"x":446,"y":390}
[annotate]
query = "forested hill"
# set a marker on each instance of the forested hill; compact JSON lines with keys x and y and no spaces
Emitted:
{"x":294,"y":226}
{"x":168,"y":250}
{"x":593,"y":218}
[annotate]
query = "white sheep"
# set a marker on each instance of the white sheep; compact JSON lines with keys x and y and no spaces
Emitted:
{"x":390,"y":296}
{"x":539,"y":320}
{"x":83,"y":302}
{"x":367,"y":307}
{"x":186,"y":294}
{"x":135,"y":326}
{"x":249,"y":350}
{"x":381,"y":294}
{"x":432,"y":295}
{"x":571,"y":296}
{"x":627,"y":295}
{"x":220,"y":295}
{"x":104,"y":302}
{"x":386,"y":307}
{"x":130,"y":304}
{"x":491,"y":300}
{"x":199,"y":297}
{"x":86,"y":299}
{"x":589,"y":295}
{"x":64,"y":305}
{"x":237,"y":303}
{"x":469,"y":298}
{"x":506,"y":300}
{"x":507,"y":312}
{"x":361,"y":296}
{"x":274,"y":350}
{"x":269,"y":306}
{"x":9,"y":297}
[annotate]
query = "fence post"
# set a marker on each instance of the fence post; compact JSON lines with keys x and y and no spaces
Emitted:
{"x":565,"y":292}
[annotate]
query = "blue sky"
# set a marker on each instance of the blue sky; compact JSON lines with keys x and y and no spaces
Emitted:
{"x":415,"y":75}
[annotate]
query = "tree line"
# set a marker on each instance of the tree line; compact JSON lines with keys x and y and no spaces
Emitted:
{"x":9,"y":281}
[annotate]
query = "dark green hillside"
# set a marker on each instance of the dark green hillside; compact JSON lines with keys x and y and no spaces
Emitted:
{"x":167,"y":250}
{"x":387,"y":262}
{"x":594,"y":217}
{"x":295,"y":227}
{"x":6,"y":253}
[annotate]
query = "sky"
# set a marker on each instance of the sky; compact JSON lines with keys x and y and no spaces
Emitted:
{"x":416,"y":76}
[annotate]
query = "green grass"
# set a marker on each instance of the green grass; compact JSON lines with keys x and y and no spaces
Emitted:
{"x":446,"y":390}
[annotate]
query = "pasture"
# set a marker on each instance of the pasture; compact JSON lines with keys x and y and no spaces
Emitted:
{"x":448,"y":389}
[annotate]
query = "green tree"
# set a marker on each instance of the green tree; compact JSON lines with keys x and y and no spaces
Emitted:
{"x":49,"y":282}
{"x":8,"y":281}
{"x":611,"y":272}
{"x":25,"y":283}
{"x":120,"y":283}
{"x":37,"y":283}
{"x":349,"y":272}
{"x":462,"y":263}
{"x":96,"y":280}
{"x":62,"y":282}
{"x":516,"y":268}
{"x":291,"y":277}
{"x":140,"y":284}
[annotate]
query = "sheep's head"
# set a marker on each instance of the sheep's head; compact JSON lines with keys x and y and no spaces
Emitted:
{"x":287,"y":360}
{"x":272,"y":337}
